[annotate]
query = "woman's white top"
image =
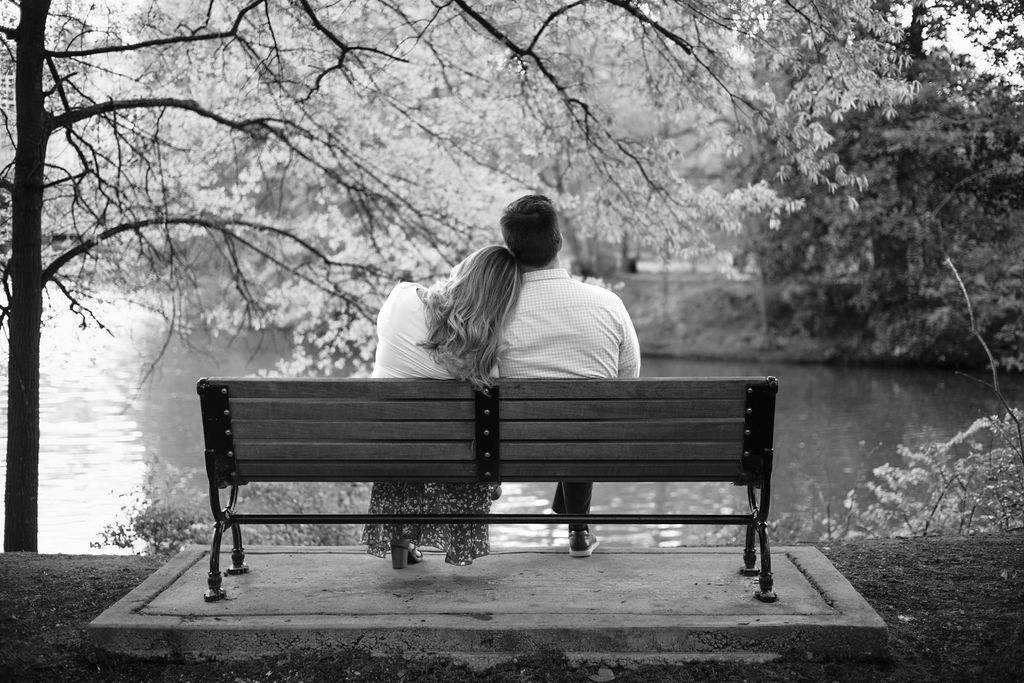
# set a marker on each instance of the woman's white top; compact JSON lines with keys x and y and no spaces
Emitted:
{"x":401,"y":327}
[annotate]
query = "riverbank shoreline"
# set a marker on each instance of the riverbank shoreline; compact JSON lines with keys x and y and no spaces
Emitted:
{"x":954,"y":607}
{"x":706,"y":316}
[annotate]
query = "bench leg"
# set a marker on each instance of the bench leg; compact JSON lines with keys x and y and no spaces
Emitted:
{"x":749,"y":555}
{"x":214,"y":592}
{"x":238,"y":565}
{"x":766,"y":584}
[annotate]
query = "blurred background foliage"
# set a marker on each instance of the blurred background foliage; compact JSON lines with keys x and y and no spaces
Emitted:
{"x":862,"y":271}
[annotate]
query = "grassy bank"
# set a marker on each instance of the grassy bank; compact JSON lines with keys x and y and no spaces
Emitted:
{"x":954,"y":607}
{"x":706,"y":317}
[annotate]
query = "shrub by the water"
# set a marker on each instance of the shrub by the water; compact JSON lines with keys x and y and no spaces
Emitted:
{"x":166,"y":513}
{"x":972,"y":483}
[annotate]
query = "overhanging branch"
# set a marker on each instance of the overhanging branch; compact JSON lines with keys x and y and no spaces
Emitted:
{"x":634,"y":10}
{"x":337,"y":41}
{"x":208,"y":222}
{"x":572,"y":103}
{"x":80,"y":114}
{"x":551,"y":17}
{"x":159,"y":42}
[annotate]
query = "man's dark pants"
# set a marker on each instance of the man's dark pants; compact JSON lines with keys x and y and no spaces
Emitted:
{"x":573,"y":497}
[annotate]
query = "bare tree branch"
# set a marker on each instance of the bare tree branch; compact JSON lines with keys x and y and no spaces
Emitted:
{"x":76,"y":307}
{"x":338,"y":42}
{"x":551,"y":17}
{"x":158,"y":42}
{"x":81,"y":113}
{"x":210,"y":223}
{"x":572,"y":103}
{"x":633,"y":10}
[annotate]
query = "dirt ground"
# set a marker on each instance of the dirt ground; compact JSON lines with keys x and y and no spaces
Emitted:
{"x":954,"y":607}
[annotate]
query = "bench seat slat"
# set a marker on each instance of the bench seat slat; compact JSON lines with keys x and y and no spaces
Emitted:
{"x":327,"y":409}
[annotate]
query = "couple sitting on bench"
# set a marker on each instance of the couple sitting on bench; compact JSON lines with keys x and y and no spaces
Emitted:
{"x":503,"y":312}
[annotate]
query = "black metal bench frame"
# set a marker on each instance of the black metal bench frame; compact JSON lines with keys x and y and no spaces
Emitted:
{"x":755,"y":469}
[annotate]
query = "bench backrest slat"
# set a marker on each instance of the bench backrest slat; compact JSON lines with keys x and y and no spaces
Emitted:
{"x":342,"y":431}
{"x":346,"y":388}
{"x":350,"y":409}
{"x":512,"y":409}
{"x":464,"y":471}
{"x":647,"y":388}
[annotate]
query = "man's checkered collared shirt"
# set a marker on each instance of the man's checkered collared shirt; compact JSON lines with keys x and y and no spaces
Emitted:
{"x":563,"y":328}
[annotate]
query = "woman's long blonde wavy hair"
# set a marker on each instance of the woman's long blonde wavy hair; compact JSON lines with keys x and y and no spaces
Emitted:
{"x":467,"y":313}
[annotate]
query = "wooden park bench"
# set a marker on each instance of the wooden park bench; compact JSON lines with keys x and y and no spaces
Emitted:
{"x":349,"y":430}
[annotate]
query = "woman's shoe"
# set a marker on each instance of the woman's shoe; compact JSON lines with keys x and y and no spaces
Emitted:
{"x":403,"y":552}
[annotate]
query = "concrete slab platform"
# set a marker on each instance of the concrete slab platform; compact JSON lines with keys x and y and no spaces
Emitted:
{"x":624,"y":604}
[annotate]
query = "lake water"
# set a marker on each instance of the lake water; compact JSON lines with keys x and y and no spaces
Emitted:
{"x":103,"y":426}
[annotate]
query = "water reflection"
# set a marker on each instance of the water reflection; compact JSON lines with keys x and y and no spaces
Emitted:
{"x":102,"y":426}
{"x":101,"y":433}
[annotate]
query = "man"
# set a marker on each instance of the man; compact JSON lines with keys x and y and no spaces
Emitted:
{"x":562,"y":328}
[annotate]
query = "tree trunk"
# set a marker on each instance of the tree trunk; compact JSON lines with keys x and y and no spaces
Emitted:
{"x":21,"y":503}
{"x":915,"y":32}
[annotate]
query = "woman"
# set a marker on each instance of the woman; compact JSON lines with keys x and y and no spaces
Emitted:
{"x":451,"y":331}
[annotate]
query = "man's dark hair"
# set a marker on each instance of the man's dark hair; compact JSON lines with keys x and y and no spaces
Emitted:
{"x":529,"y":226}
